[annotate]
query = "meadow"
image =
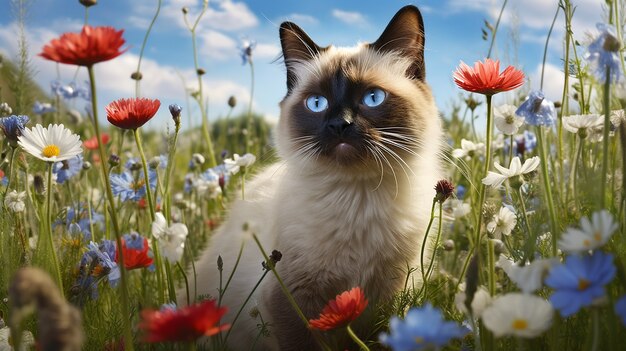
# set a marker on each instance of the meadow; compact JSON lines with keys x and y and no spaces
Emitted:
{"x":102,"y":218}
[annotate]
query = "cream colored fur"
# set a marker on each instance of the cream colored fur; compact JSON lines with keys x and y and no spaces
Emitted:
{"x":331,"y":225}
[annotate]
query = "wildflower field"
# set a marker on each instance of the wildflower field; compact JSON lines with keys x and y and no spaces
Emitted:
{"x":103,"y":218}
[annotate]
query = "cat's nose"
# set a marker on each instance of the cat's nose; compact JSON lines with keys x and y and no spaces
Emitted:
{"x":338,"y":125}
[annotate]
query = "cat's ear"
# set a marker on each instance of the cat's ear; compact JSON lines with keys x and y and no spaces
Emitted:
{"x":297,"y":47}
{"x":405,"y":34}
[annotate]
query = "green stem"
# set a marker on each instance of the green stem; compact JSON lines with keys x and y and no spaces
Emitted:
{"x":511,"y":149}
{"x":143,"y":46}
{"x":529,"y":237}
{"x":167,"y":198}
{"x":53,"y":253}
{"x":495,"y":30}
{"x":605,"y":141}
{"x":230,"y":277}
{"x":170,"y":281}
{"x":250,"y":123}
{"x":289,"y":296}
{"x":146,"y":175}
{"x":432,"y":259}
{"x":482,"y":188}
{"x":232,"y":324}
{"x":547,"y":188}
{"x":126,"y":325}
{"x":10,"y":170}
{"x":356,"y":339}
{"x":492,"y":268}
{"x":423,"y":248}
{"x":595,"y":315}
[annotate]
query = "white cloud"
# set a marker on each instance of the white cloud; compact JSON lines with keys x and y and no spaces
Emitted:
{"x":349,"y":17}
{"x":267,"y":50}
{"x":537,"y":14}
{"x":218,"y":45}
{"x":300,"y":19}
{"x":224,"y":15}
{"x":552,"y":82}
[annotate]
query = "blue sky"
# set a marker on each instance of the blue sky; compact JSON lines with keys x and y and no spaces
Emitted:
{"x":453,"y":33}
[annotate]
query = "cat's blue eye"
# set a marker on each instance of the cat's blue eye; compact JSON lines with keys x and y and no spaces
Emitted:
{"x":374,"y":97}
{"x":316,"y":103}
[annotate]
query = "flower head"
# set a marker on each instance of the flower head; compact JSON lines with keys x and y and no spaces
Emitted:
{"x":131,"y":113}
{"x":171,"y":238}
{"x":468,"y":149}
{"x":423,"y":328}
{"x":175,"y":112}
{"x":90,"y":46}
{"x":13,"y":126}
{"x":444,"y":189}
{"x":14,"y":201}
{"x":65,"y":170}
{"x":506,"y":120}
{"x":502,"y":222}
{"x":516,"y":169}
{"x":233,"y":165}
{"x":620,"y":309}
{"x":246,"y":48}
{"x":130,"y":187}
{"x":579,"y":281}
{"x":40,"y":108}
{"x":527,"y":277}
{"x":92,"y":143}
{"x":537,"y":110}
{"x":53,"y":144}
{"x":591,"y":234}
{"x":521,"y":315}
{"x":486,"y":78}
{"x":184,"y":324}
{"x":135,"y":250}
{"x":580,"y":124}
{"x":345,"y":308}
{"x":480,"y":301}
{"x":603,"y":54}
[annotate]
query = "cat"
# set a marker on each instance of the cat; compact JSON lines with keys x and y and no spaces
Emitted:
{"x":359,"y":139}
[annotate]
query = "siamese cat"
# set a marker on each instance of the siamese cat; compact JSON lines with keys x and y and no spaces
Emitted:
{"x":347,"y":205}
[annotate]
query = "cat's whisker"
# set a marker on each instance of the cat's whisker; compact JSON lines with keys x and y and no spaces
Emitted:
{"x":379,"y":163}
{"x":383,"y":157}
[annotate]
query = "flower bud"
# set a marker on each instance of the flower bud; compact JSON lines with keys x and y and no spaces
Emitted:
{"x":200,"y":71}
{"x":175,"y":112}
{"x":198,"y":158}
{"x":6,"y":110}
{"x":136,"y":76}
{"x":232,"y":101}
{"x":88,"y":3}
{"x":86,"y":165}
{"x":39,"y":185}
{"x":114,"y":160}
{"x":448,"y":245}
{"x":185,"y":10}
{"x":220,"y":263}
{"x":444,"y":189}
{"x":154,"y":162}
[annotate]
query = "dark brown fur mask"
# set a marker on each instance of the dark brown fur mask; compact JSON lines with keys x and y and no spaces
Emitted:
{"x":364,"y":109}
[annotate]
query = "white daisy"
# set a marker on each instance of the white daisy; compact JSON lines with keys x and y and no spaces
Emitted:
{"x":14,"y":201}
{"x":506,"y":120}
{"x":528,"y":278}
{"x":53,"y":144}
{"x":481,"y":300}
{"x":457,"y":208}
{"x":516,"y":169}
{"x":502,"y":222}
{"x":233,"y":164}
{"x":469,"y":149}
{"x":581,"y":123}
{"x":516,"y":314}
{"x":171,"y":239}
{"x":28,"y":340}
{"x":617,"y":117}
{"x":591,"y":234}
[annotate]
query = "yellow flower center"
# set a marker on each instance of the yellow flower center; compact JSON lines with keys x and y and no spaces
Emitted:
{"x":50,"y":151}
{"x":136,"y":186}
{"x":419,"y":340}
{"x":583,"y":284}
{"x":597,"y":236}
{"x":520,"y":324}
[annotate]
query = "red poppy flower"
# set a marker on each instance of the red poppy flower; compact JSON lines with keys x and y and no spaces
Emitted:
{"x":131,"y":113}
{"x":90,"y":46}
{"x":342,"y":310}
{"x":185,"y":324}
{"x":92,"y":143}
{"x":486,"y":78}
{"x":135,"y":258}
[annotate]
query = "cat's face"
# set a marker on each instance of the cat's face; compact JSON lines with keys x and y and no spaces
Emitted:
{"x":360,"y":109}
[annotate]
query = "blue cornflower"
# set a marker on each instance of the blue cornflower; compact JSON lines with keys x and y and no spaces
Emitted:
{"x":189,"y":180}
{"x":620,"y":308}
{"x":70,"y":91}
{"x":82,"y":219}
{"x":422,"y":328}
{"x":133,"y":163}
{"x":579,"y":281}
{"x":192,"y":165}
{"x":162,"y":161}
{"x":530,"y":141}
{"x":603,"y":54}
{"x":65,"y":170}
{"x":13,"y":126}
{"x":246,"y":48}
{"x":100,"y":263}
{"x":40,"y":108}
{"x":133,"y":241}
{"x":171,"y":306}
{"x":460,"y":192}
{"x":128,"y":187}
{"x":537,"y":110}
